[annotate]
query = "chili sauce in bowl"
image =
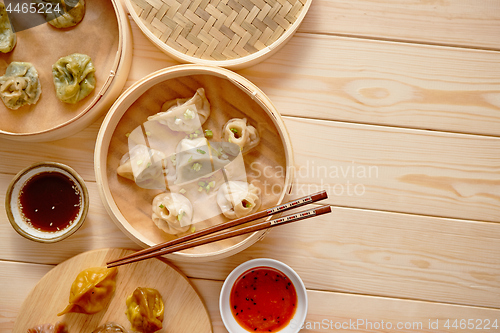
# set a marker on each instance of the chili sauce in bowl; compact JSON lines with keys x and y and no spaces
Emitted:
{"x":263,"y":295}
{"x":47,"y":202}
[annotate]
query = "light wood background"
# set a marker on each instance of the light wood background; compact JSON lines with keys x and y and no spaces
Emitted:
{"x":394,"y":108}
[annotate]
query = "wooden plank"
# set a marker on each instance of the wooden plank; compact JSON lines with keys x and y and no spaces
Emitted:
{"x":457,"y":22}
{"x":386,"y":83}
{"x":412,"y":171}
{"x":326,"y":309}
{"x":354,"y":250}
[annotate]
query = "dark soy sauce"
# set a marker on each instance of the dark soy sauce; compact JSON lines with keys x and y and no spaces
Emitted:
{"x":50,"y":201}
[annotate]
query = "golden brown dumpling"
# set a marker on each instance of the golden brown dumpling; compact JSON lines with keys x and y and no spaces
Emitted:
{"x":145,"y":310}
{"x":7,"y":34}
{"x":92,"y":290}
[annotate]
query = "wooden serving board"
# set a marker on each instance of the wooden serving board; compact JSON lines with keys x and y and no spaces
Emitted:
{"x":184,"y":309}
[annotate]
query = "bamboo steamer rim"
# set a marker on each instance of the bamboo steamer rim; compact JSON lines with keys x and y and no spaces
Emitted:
{"x":186,"y":47}
{"x":121,"y":106}
{"x":119,"y":72}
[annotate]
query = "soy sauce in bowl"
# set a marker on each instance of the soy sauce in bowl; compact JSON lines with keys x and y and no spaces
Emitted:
{"x":50,"y":201}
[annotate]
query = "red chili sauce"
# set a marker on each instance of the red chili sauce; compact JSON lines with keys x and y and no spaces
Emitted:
{"x":50,"y":201}
{"x":263,"y":299}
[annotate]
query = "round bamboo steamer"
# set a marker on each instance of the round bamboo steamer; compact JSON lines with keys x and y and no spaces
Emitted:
{"x":228,"y":33}
{"x":231,"y":96}
{"x":105,"y":35}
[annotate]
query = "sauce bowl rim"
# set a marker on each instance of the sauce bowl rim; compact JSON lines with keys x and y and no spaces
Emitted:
{"x":58,"y":167}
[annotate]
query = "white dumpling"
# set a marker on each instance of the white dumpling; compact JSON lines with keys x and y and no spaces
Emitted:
{"x":144,"y":166}
{"x":184,"y":114}
{"x":237,"y":199}
{"x":172,"y":213}
{"x":7,"y":34}
{"x":238,"y":132}
{"x":194,"y":159}
{"x":20,"y":85}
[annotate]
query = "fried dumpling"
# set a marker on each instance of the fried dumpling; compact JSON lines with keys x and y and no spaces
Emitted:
{"x":92,"y":290}
{"x":71,"y":12}
{"x":145,"y":310}
{"x":7,"y":35}
{"x":184,"y":114}
{"x":237,"y":131}
{"x":74,"y":77}
{"x":20,"y":85}
{"x":172,"y":213}
{"x":237,"y":199}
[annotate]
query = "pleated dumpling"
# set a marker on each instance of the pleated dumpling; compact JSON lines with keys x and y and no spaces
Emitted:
{"x":20,"y":85}
{"x":145,"y":310}
{"x":63,"y":13}
{"x":92,"y":290}
{"x":237,"y":199}
{"x":74,"y":77}
{"x":144,"y":165}
{"x":184,"y":114}
{"x":7,"y":34}
{"x":237,"y":131}
{"x":172,"y":213}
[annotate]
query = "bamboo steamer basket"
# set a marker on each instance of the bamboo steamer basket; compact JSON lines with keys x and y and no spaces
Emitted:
{"x":105,"y":35}
{"x":227,"y":33}
{"x":231,"y":96}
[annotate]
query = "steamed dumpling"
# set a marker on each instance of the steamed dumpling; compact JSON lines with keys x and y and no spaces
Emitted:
{"x":74,"y":77}
{"x":144,"y":166}
{"x":184,"y":114}
{"x":49,"y":328}
{"x":7,"y":35}
{"x":20,"y":85}
{"x":172,"y":213}
{"x":237,"y":199}
{"x":194,"y":159}
{"x":92,"y":290}
{"x":110,"y":328}
{"x":71,"y":12}
{"x":238,"y":132}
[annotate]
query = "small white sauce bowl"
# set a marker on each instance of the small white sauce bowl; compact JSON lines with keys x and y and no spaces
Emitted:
{"x":13,"y":209}
{"x":298,"y":318}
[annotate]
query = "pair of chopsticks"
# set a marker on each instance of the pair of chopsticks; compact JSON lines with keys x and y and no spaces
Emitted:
{"x":198,"y":238}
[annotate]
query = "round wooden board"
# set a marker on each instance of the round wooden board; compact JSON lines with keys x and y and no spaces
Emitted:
{"x":184,"y":310}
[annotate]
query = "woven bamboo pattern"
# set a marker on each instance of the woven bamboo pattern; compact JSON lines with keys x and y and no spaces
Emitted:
{"x":218,"y":29}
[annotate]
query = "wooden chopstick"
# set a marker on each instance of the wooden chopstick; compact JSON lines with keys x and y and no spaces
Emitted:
{"x":252,"y":217}
{"x":226,"y":234}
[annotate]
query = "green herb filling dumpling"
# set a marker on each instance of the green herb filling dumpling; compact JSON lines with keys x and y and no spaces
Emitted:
{"x":74,"y":77}
{"x":63,"y":13}
{"x":7,"y":35}
{"x":20,"y":85}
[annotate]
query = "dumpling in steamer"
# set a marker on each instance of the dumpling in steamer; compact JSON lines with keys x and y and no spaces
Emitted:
{"x":71,"y":12}
{"x":7,"y":35}
{"x":172,"y":213}
{"x":20,"y":85}
{"x":184,"y":114}
{"x":238,"y":132}
{"x":237,"y":199}
{"x":146,"y":164}
{"x":74,"y":77}
{"x":92,"y":290}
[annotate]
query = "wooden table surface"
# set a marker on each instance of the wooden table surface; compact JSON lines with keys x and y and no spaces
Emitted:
{"x":391,"y":106}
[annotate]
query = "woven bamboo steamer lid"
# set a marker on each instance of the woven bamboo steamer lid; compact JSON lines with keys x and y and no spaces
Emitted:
{"x":227,"y":33}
